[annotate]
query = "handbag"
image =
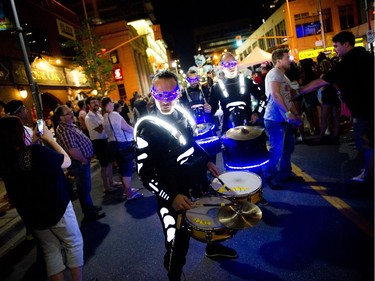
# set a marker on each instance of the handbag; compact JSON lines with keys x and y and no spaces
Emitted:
{"x":128,"y":152}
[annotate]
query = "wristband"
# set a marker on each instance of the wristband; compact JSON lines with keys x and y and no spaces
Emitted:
{"x":287,"y":113}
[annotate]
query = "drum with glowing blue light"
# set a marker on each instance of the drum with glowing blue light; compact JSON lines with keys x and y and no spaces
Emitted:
{"x":245,"y":148}
{"x":211,"y":144}
{"x":199,"y":115}
{"x":205,"y":130}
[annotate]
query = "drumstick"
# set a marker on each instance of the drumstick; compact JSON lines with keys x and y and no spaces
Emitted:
{"x":211,"y":204}
{"x":224,"y":185}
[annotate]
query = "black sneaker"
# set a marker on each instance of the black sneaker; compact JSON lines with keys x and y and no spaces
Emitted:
{"x":273,"y":184}
{"x":94,"y":216}
{"x":217,"y":250}
{"x":98,"y":208}
{"x":262,"y":202}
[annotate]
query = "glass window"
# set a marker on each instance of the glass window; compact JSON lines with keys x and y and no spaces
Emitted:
{"x":346,"y":16}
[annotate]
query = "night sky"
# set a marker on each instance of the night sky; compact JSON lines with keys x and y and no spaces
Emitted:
{"x":178,"y":19}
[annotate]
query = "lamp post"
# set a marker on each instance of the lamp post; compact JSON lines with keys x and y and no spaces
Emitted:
{"x":174,"y":65}
{"x":321,"y":25}
{"x":33,"y":87}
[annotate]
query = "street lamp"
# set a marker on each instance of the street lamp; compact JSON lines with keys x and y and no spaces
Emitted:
{"x":174,"y":65}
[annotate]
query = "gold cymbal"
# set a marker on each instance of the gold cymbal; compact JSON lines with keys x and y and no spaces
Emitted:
{"x":241,"y":215}
{"x":244,"y":132}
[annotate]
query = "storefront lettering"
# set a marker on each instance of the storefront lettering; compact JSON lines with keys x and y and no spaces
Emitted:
{"x":46,"y":75}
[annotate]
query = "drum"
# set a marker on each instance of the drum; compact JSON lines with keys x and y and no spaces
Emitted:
{"x":203,"y":221}
{"x":211,"y":144}
{"x":199,"y":115}
{"x":245,"y":148}
{"x":241,"y":185}
{"x":205,"y":130}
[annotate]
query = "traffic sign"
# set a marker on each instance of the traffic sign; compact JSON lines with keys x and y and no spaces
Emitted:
{"x":370,"y":36}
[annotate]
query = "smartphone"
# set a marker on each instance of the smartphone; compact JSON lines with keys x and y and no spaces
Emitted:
{"x":40,"y":125}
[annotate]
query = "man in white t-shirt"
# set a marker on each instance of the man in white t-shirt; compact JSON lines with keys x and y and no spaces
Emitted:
{"x":280,"y":118}
{"x":94,"y":124}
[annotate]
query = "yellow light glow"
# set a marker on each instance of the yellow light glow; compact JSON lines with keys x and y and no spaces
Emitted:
{"x":23,"y":93}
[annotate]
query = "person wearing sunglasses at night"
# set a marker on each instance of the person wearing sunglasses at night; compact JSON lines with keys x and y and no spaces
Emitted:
{"x":172,"y":166}
{"x":236,"y":96}
{"x":195,"y":97}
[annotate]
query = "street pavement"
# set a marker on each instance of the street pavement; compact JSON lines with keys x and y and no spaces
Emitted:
{"x":317,"y":230}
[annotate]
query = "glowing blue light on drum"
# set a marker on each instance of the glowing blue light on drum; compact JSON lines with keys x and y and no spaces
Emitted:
{"x":247,"y":167}
{"x":208,"y":129}
{"x":211,"y":144}
{"x":208,"y":140}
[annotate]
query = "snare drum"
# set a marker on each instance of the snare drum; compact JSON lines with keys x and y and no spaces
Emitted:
{"x":203,"y":221}
{"x":245,"y":186}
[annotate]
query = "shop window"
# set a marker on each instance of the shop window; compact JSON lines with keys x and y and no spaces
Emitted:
{"x":64,"y":49}
{"x":280,"y":30}
{"x":36,"y":40}
{"x":271,"y":42}
{"x":346,"y":16}
{"x":262,"y":44}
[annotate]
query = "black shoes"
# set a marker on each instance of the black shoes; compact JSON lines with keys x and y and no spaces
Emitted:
{"x":262,"y":202}
{"x":94,"y":216}
{"x":273,"y":184}
{"x":98,"y":208}
{"x":293,"y":179}
{"x":216,"y":250}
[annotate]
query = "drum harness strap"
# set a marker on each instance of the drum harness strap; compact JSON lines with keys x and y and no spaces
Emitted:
{"x":190,"y":99}
{"x":254,"y":102}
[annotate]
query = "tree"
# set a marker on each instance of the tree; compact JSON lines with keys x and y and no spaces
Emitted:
{"x":93,"y":58}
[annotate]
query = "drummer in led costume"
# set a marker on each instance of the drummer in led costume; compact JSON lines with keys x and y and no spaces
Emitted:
{"x":195,"y":97}
{"x":172,"y":166}
{"x":236,"y":96}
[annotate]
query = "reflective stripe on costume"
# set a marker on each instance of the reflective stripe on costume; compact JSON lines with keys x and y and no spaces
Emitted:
{"x":224,"y":89}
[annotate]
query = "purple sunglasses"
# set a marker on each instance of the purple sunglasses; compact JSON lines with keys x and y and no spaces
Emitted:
{"x":193,"y":80}
{"x":165,"y":96}
{"x":229,"y":64}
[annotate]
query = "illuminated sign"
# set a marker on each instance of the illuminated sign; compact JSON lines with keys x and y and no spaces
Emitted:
{"x":66,"y":30}
{"x":117,"y":73}
{"x":313,"y":53}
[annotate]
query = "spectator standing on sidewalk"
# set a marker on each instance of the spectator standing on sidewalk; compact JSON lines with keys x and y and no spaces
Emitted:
{"x":120,"y":146}
{"x":280,"y":119}
{"x":80,"y":150}
{"x":81,"y":117}
{"x":94,"y":124}
{"x":17,"y":108}
{"x":356,"y":90}
{"x":36,"y":182}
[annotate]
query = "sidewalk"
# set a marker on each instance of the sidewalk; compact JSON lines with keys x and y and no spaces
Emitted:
{"x":12,"y":229}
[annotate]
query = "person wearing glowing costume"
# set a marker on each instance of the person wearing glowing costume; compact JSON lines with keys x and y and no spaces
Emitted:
{"x":195,"y":97}
{"x":236,"y":96}
{"x":173,"y":167}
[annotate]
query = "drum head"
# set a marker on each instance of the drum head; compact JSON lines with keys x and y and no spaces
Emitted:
{"x":206,"y":218}
{"x":240,"y":183}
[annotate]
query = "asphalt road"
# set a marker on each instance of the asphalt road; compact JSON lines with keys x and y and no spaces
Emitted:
{"x":318,"y":230}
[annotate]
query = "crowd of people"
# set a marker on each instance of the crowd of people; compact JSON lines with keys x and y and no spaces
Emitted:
{"x":157,"y":132}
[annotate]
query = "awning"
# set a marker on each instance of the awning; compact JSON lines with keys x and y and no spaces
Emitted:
{"x":257,"y":56}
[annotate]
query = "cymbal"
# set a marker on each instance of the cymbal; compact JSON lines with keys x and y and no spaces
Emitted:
{"x":244,"y":133}
{"x":241,"y":215}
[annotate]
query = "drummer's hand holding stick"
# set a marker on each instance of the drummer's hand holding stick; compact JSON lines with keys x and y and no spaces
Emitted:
{"x":216,"y":173}
{"x":181,"y":203}
{"x":254,"y":118}
{"x":207,"y":108}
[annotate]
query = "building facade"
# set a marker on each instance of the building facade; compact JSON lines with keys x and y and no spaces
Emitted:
{"x":297,"y":25}
{"x":136,"y":50}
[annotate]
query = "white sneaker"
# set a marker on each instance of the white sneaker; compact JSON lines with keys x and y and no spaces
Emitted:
{"x":361,"y":178}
